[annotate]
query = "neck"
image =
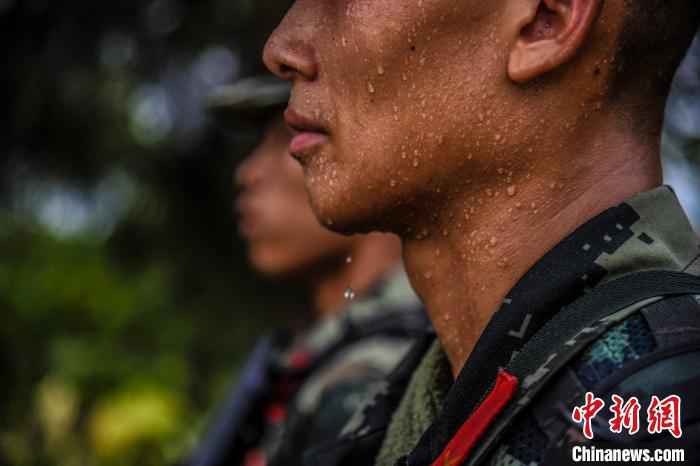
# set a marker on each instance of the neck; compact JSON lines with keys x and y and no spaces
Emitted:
{"x":369,"y":258}
{"x":463,"y":270}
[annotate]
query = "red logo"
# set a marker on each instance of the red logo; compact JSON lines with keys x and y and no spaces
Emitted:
{"x":587,"y":413}
{"x":662,"y":415}
{"x":625,"y":415}
{"x":665,"y":415}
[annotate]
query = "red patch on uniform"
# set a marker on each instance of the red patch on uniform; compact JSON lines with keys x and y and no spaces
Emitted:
{"x":276,"y":413}
{"x":255,"y":457}
{"x":466,"y":437}
{"x":300,"y":359}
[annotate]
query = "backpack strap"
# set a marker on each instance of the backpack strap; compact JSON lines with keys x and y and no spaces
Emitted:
{"x":399,"y":323}
{"x":570,"y":332}
{"x":223,"y":441}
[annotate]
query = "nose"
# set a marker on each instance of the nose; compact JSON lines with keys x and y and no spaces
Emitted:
{"x":289,"y":52}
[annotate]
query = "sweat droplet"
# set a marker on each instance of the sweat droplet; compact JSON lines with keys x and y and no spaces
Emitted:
{"x":370,"y":87}
{"x":393,"y":183}
{"x":380,"y":70}
{"x":349,"y":294}
{"x":512,"y":190}
{"x":348,"y":260}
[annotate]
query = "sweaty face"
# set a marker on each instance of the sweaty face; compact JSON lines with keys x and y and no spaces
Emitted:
{"x":275,"y":218}
{"x":392,"y":102}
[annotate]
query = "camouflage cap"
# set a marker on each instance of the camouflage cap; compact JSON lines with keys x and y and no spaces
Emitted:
{"x":249,"y":101}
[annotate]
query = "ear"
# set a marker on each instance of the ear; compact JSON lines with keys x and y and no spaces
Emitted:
{"x":551,"y":32}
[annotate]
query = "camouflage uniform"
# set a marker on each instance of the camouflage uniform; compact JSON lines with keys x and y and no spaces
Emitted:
{"x":653,"y":348}
{"x":299,"y":394}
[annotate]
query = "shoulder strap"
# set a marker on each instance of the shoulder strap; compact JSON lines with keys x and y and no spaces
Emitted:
{"x":570,"y":331}
{"x":222,"y":442}
{"x":410,"y":323}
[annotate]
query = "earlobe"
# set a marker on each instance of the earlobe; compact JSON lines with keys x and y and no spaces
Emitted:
{"x":552,"y":32}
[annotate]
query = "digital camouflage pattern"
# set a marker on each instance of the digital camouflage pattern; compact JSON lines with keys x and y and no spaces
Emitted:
{"x":652,"y":348}
{"x":304,"y":391}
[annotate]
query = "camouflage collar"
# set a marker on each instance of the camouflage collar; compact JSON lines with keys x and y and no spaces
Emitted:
{"x":648,"y":232}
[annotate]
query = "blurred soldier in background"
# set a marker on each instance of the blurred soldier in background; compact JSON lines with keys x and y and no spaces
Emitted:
{"x":300,"y":390}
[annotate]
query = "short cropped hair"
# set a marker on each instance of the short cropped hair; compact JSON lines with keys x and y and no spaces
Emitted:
{"x":655,"y":37}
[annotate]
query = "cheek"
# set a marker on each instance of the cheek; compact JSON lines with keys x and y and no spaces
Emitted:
{"x":380,"y":53}
{"x":415,"y":77}
{"x":413,"y":94}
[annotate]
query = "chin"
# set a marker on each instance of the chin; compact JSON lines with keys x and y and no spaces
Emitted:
{"x":266,"y":264}
{"x":353,"y":198}
{"x":341,"y":214}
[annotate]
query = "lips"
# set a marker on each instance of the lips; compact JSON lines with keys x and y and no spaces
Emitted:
{"x":309,"y":134}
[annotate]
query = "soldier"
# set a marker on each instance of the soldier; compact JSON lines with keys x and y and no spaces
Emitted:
{"x":365,"y":314}
{"x":514,"y":147}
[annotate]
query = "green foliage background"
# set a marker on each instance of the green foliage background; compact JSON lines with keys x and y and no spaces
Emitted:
{"x":126,"y":300}
{"x":127,"y":304}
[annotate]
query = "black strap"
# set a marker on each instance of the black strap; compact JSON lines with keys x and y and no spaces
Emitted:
{"x":223,"y":442}
{"x":547,"y":351}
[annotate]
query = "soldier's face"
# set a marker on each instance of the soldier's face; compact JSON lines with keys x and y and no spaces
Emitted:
{"x":390,"y":98}
{"x":282,"y":233}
